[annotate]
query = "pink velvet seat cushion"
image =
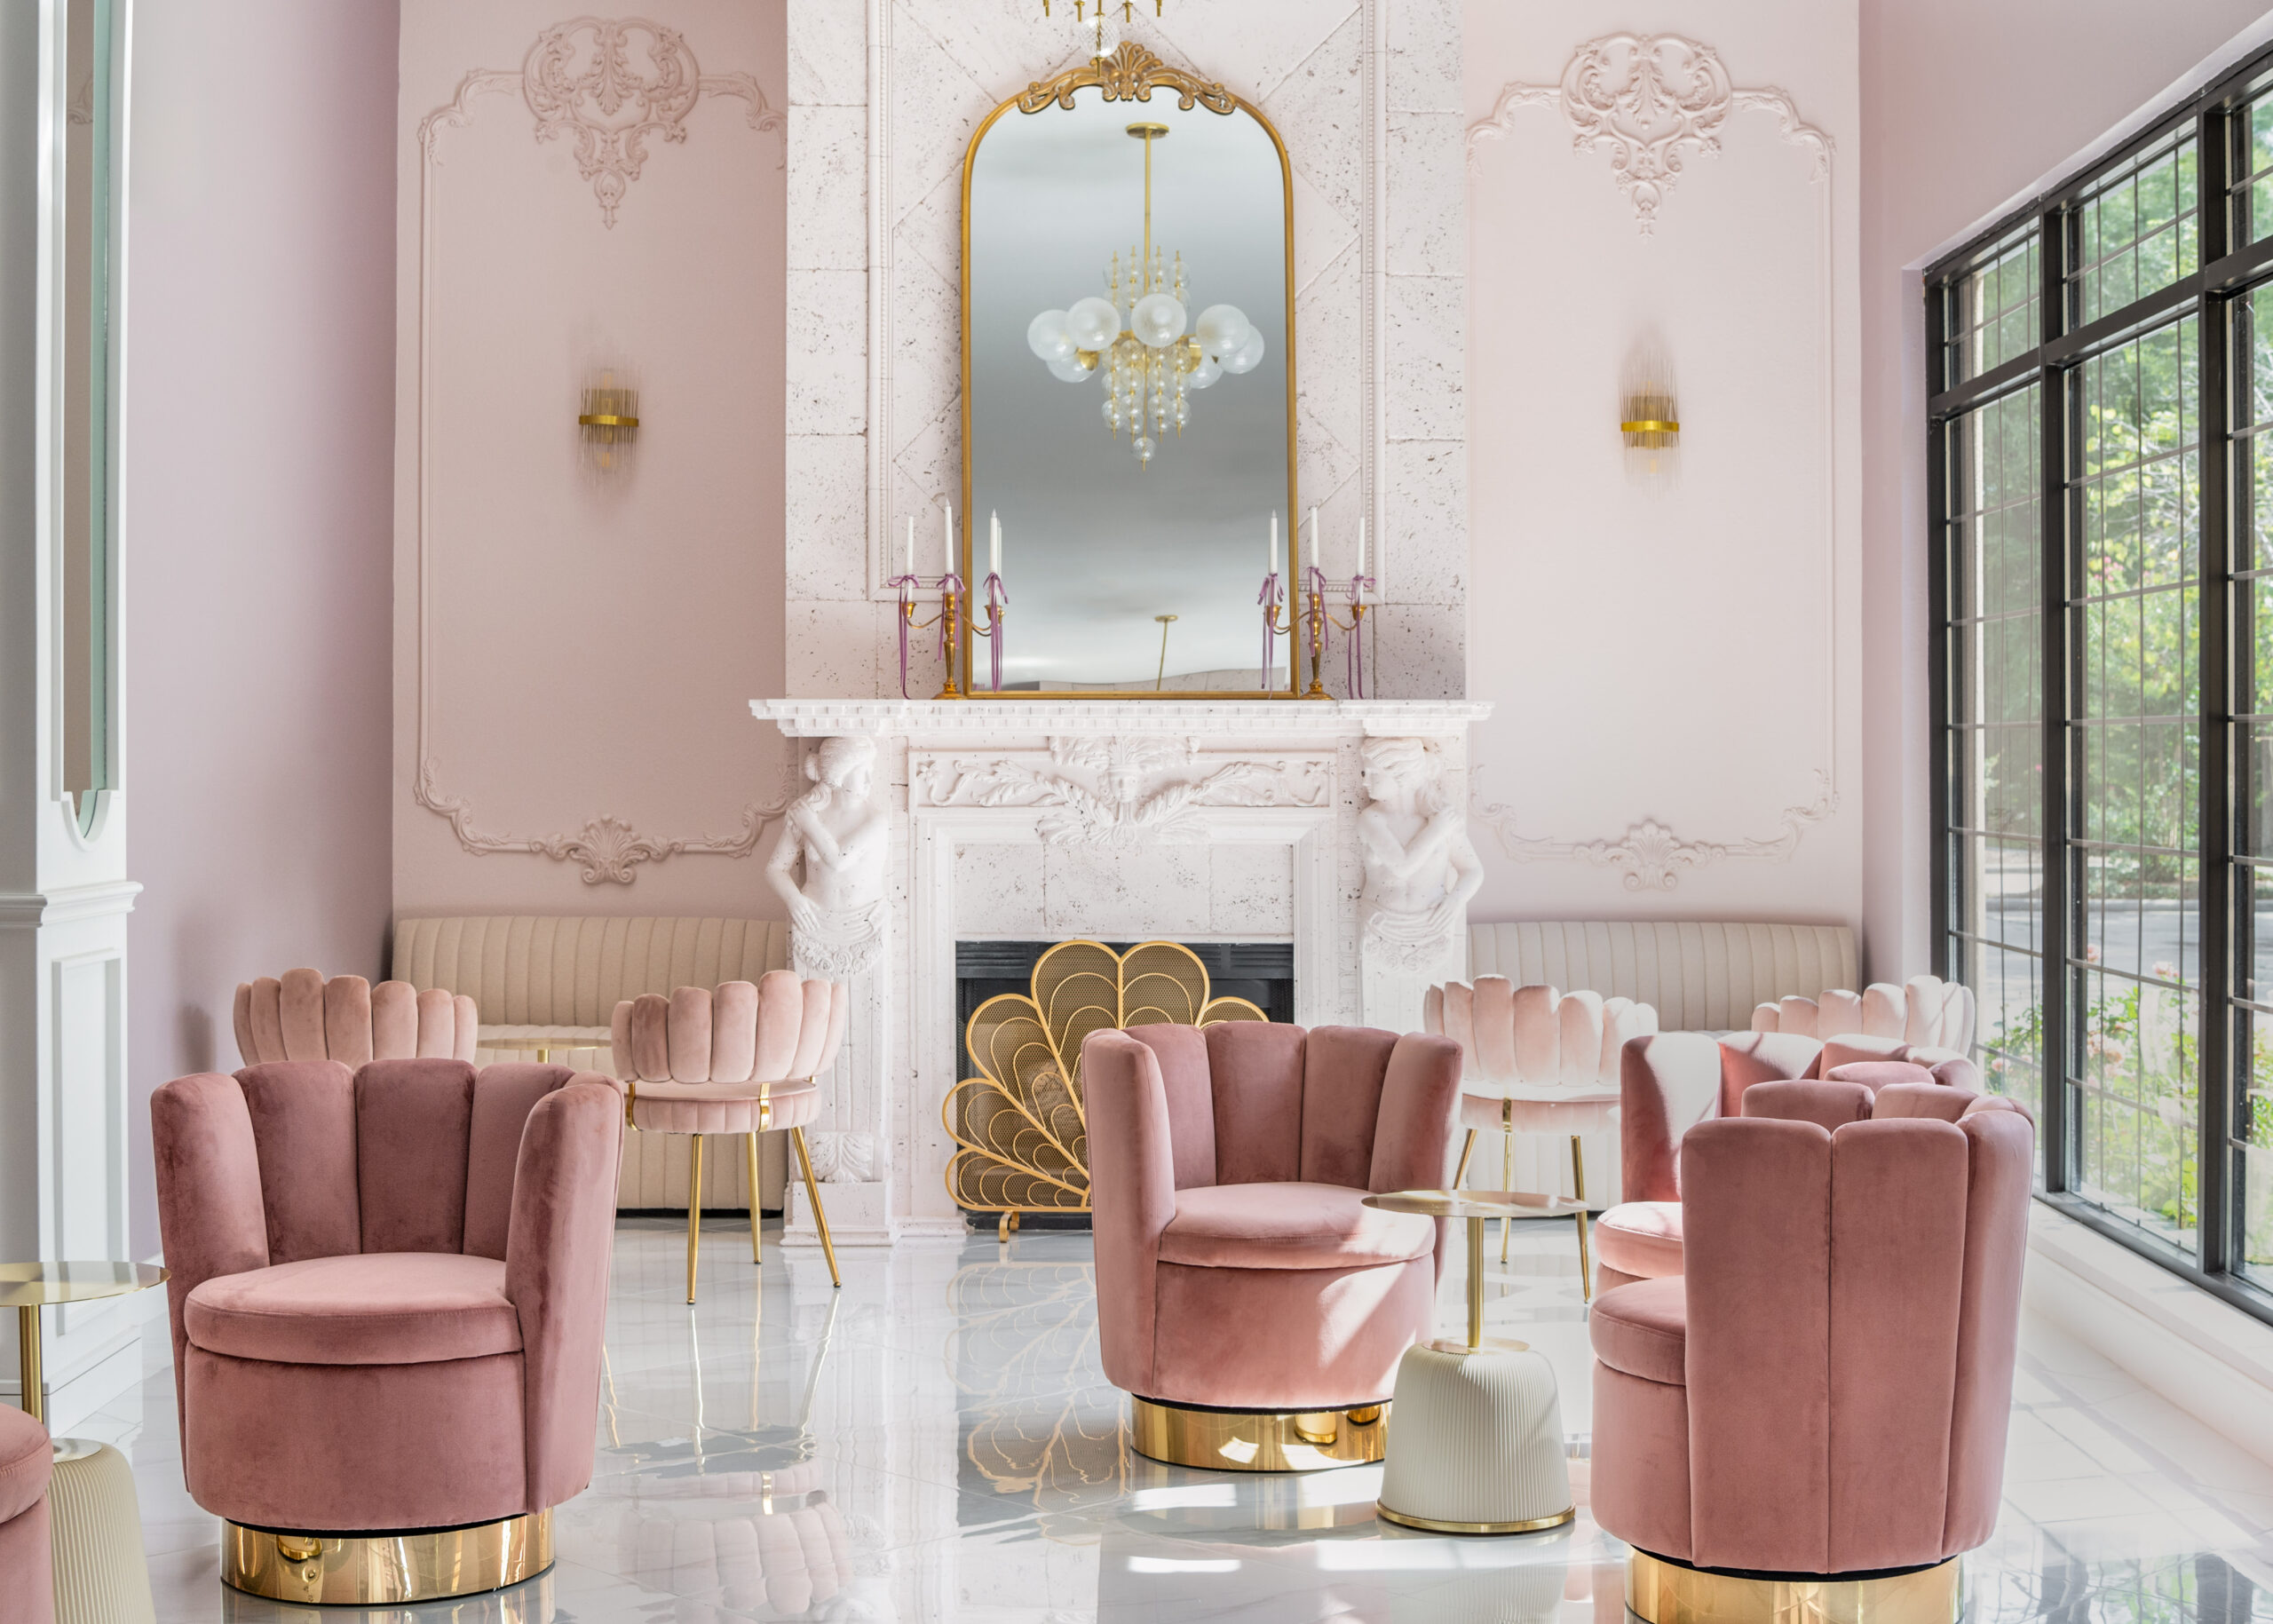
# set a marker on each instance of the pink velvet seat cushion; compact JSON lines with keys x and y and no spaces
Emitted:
{"x":1642,"y":1239}
{"x":1643,"y":1329}
{"x":1876,"y":1074}
{"x":721,"y":1107}
{"x":1289,"y":1226}
{"x":25,"y":1461}
{"x":1541,"y":1109}
{"x":372,"y":1308}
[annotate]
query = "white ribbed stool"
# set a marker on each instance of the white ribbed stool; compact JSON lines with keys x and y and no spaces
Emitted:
{"x":100,"y":1576}
{"x":1475,"y":1442}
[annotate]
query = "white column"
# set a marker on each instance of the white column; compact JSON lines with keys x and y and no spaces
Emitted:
{"x":64,"y":892}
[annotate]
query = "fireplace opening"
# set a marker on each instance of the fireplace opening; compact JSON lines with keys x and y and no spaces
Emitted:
{"x":1261,"y":972}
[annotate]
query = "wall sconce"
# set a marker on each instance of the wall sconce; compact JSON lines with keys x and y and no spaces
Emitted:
{"x":1650,"y":419}
{"x":609,"y":424}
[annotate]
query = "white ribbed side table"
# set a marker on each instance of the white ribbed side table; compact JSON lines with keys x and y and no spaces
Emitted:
{"x":100,"y":1576}
{"x":1476,"y":1441}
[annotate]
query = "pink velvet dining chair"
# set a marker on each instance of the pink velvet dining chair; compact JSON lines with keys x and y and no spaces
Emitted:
{"x":1537,"y":1061}
{"x":1822,"y":1394}
{"x":387,"y":1292}
{"x":1248,"y":1302}
{"x":301,"y":1015}
{"x":743,"y":1057}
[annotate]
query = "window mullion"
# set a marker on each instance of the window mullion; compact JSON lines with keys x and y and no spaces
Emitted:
{"x":2052,"y":433}
{"x":2214,"y":1075}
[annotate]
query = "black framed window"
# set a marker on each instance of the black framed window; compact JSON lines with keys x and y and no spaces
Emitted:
{"x":2099,"y":444}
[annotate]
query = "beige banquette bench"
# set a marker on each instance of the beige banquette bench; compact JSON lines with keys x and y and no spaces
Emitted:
{"x":1699,"y":975}
{"x":552,"y":982}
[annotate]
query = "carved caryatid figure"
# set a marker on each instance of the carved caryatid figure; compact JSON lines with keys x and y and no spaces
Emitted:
{"x":1420,"y":869}
{"x":837,"y":910}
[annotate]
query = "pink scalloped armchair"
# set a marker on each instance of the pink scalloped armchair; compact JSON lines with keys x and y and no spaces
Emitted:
{"x":1827,"y":1390}
{"x":26,"y":1460}
{"x":1671,"y":1082}
{"x":387,"y":1288}
{"x":301,"y":1015}
{"x":1238,"y":1267}
{"x":1925,"y":1011}
{"x":743,"y":1057}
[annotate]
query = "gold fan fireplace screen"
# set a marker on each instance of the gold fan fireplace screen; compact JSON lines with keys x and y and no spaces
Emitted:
{"x":1021,"y":1126}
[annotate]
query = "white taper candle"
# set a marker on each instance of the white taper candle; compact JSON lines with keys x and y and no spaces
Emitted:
{"x":1274,"y":541}
{"x":995,"y":544}
{"x":947,"y":539}
{"x":908,"y":563}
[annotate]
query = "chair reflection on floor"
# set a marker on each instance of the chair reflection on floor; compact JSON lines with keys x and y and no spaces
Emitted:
{"x":741,"y":1511}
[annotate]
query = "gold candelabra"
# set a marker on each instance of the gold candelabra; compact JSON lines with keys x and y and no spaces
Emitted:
{"x":1323,"y":623}
{"x":948,"y":619}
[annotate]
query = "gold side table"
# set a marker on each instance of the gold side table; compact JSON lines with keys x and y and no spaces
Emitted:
{"x":28,"y":1287}
{"x":1478,"y":1446}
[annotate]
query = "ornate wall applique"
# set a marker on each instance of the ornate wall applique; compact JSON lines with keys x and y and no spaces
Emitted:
{"x":1649,"y":100}
{"x":1121,"y":792}
{"x":608,"y":849}
{"x":609,"y":83}
{"x":1652,"y":856}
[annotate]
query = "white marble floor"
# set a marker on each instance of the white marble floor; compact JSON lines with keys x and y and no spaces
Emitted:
{"x":936,"y":1442}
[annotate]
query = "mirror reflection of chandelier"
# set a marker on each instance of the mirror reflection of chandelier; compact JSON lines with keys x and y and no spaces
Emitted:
{"x":1136,"y":337}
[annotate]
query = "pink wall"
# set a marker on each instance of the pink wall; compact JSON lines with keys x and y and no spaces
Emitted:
{"x":260,"y":455}
{"x":1679,"y":660}
{"x":589,"y":649}
{"x":1965,"y":107}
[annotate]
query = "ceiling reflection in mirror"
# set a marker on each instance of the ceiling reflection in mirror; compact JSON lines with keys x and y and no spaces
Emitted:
{"x":1134,"y":545}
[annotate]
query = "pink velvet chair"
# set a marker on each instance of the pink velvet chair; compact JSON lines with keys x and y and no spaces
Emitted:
{"x":1672,"y":1081}
{"x":1251,"y":1305}
{"x":741,"y":1059}
{"x":27,"y":1576}
{"x":387,"y":1292}
{"x":1924,"y":1011}
{"x":300,"y":1016}
{"x":1824,"y":1392}
{"x":1537,"y":1061}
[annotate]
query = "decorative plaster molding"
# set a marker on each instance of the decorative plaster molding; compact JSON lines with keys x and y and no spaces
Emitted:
{"x":589,"y":105}
{"x":1650,"y":99}
{"x":1119,"y":792}
{"x":1237,"y":719}
{"x":842,"y":1157}
{"x":610,"y":154}
{"x":1651,"y":855}
{"x":1421,"y":871}
{"x":606,"y":848}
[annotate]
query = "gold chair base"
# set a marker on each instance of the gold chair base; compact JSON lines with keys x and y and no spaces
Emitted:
{"x":1529,"y":1525}
{"x":1663,"y":1592}
{"x":1259,"y":1441}
{"x":385,"y":1570}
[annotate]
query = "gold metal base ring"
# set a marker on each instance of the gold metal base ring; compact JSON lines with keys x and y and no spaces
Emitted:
{"x":1533,"y":1524}
{"x":1259,"y":1441}
{"x":385,"y":1570}
{"x":1663,"y":1592}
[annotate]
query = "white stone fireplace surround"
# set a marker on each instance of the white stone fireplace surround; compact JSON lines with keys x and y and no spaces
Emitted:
{"x":1117,"y":819}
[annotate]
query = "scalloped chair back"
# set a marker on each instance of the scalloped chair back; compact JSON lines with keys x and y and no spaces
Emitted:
{"x":1925,"y":1012}
{"x":302,"y":1016}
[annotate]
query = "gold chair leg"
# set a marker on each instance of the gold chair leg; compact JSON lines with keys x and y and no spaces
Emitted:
{"x":693,"y":1211}
{"x":755,"y":1255}
{"x":1578,"y":1187}
{"x":820,"y":1218}
{"x":1507,"y":1182}
{"x":1467,"y":1146}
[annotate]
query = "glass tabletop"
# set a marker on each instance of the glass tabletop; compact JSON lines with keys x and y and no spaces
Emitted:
{"x":36,"y":1285}
{"x":1475,"y":1204}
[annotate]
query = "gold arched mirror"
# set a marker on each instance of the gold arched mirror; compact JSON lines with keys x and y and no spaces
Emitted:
{"x":1136,"y":454}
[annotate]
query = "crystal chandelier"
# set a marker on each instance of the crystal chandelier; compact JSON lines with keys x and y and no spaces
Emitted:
{"x":1136,"y":337}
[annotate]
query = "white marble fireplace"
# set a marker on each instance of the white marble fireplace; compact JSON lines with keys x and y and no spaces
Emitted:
{"x":1241,"y":820}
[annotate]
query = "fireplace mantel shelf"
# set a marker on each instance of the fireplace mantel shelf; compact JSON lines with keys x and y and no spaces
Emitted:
{"x":1321,"y":719}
